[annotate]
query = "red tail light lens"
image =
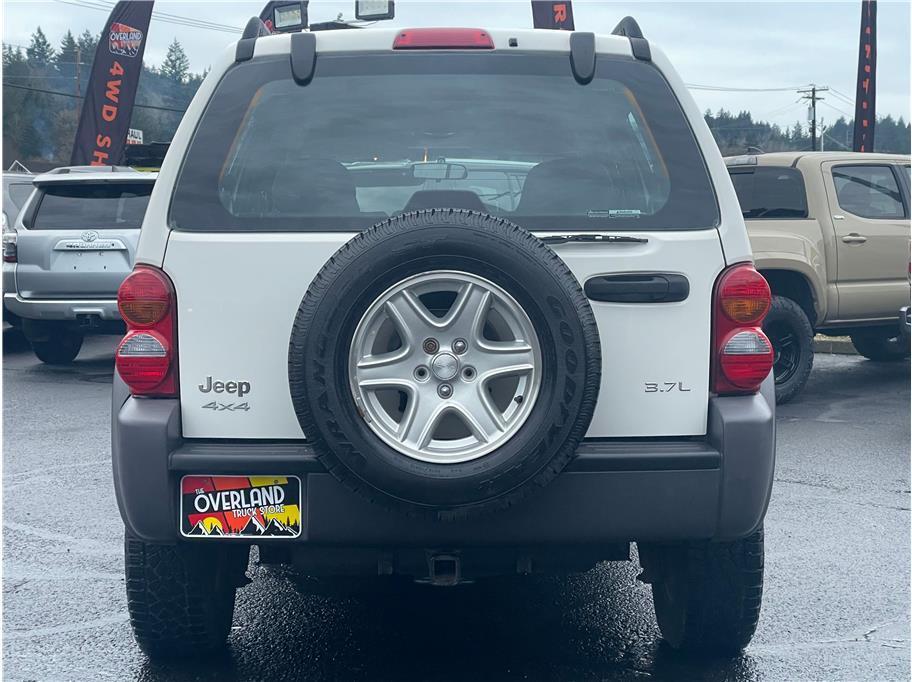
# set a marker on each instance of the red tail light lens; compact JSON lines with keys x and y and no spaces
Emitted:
{"x":146,"y":359}
{"x":443,"y":39}
{"x":145,"y":298}
{"x":744,"y":295}
{"x":743,"y":356}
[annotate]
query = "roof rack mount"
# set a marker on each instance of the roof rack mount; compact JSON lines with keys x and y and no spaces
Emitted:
{"x":254,"y":29}
{"x":630,"y":29}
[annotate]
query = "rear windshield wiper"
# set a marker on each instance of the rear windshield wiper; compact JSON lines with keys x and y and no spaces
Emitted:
{"x":609,"y":238}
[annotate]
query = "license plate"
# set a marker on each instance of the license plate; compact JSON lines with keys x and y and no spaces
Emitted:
{"x":240,"y":506}
{"x":91,"y":261}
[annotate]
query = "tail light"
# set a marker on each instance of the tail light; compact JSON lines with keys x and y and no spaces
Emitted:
{"x":742,"y":355}
{"x":147,"y":357}
{"x":10,"y":252}
{"x":443,"y":39}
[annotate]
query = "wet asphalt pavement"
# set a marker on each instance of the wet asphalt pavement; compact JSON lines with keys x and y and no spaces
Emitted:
{"x":836,"y":603}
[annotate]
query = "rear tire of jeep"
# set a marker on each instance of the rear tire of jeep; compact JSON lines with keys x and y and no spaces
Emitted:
{"x":495,"y":265}
{"x":181,"y":597}
{"x":792,"y":336}
{"x":61,"y":349}
{"x":707,"y":594}
{"x":880,"y":345}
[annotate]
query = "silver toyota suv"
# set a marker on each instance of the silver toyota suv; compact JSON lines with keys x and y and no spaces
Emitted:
{"x":443,"y":304}
{"x":72,"y":245}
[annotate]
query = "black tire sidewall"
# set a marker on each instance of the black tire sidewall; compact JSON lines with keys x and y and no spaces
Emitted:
{"x":786,"y":311}
{"x":880,"y":345}
{"x":61,"y":349}
{"x":181,"y":597}
{"x":416,"y":244}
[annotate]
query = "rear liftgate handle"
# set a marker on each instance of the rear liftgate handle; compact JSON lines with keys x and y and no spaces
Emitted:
{"x":647,"y":287}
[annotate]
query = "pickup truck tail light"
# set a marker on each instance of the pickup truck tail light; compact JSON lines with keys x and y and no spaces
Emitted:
{"x":742,"y":354}
{"x":147,"y":356}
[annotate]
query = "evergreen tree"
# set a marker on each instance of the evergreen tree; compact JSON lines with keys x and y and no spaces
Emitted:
{"x":88,"y":43}
{"x":12,"y":57}
{"x":176,"y":66}
{"x":39,"y":51}
{"x":66,"y":56}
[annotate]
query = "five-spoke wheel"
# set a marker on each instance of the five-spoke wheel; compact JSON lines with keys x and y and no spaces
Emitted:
{"x":445,"y":366}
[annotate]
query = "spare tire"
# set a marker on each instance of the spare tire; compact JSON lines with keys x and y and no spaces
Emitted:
{"x":445,"y":363}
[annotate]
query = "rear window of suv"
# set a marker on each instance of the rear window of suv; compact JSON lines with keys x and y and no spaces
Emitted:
{"x":510,"y":134}
{"x":19,"y":193}
{"x":81,"y":206}
{"x":770,"y":192}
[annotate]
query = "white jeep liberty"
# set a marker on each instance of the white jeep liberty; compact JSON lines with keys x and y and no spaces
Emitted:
{"x":444,"y":304}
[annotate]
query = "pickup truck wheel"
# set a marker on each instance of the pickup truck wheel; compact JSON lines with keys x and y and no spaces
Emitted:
{"x":60,"y":349}
{"x":181,"y":597}
{"x":881,"y":345}
{"x":445,"y":363}
{"x":792,"y":336}
{"x":707,"y":595}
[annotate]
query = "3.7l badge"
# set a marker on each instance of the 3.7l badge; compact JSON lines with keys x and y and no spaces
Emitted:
{"x":666,"y":387}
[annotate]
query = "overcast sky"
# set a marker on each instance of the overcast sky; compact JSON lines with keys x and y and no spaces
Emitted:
{"x":730,"y":44}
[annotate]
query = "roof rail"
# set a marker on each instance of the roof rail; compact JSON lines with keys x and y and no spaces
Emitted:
{"x":66,"y":170}
{"x":630,"y":29}
{"x":254,"y":29}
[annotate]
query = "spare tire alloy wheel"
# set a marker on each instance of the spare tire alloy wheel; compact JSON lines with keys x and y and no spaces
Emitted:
{"x":445,"y":363}
{"x":466,"y":393}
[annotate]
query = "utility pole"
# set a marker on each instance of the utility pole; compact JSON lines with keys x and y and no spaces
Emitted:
{"x":78,"y":55}
{"x":811,"y":94}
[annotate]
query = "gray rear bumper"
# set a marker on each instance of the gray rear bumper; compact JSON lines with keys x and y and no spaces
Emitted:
{"x":615,"y":490}
{"x":53,"y":309}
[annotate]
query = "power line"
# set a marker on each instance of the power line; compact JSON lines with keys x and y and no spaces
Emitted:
{"x":722,"y":88}
{"x":833,"y":139}
{"x":838,"y":109}
{"x":5,"y":76}
{"x":841,"y":94}
{"x":780,"y":110}
{"x":72,"y":96}
{"x":157,"y":14}
{"x":164,"y":17}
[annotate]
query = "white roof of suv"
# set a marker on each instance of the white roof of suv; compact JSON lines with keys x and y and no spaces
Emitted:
{"x":71,"y":174}
{"x":381,"y":39}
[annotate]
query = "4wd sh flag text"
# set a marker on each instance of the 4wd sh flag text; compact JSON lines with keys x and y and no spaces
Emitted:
{"x":106,"y":111}
{"x":866,"y":89}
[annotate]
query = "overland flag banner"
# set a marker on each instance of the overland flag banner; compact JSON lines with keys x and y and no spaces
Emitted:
{"x":556,"y":15}
{"x":866,"y":89}
{"x":108,"y":106}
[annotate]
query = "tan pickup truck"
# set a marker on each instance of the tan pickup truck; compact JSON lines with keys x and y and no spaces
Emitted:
{"x":830,"y":231}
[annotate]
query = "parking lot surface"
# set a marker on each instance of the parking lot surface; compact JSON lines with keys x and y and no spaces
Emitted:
{"x":836,"y":602}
